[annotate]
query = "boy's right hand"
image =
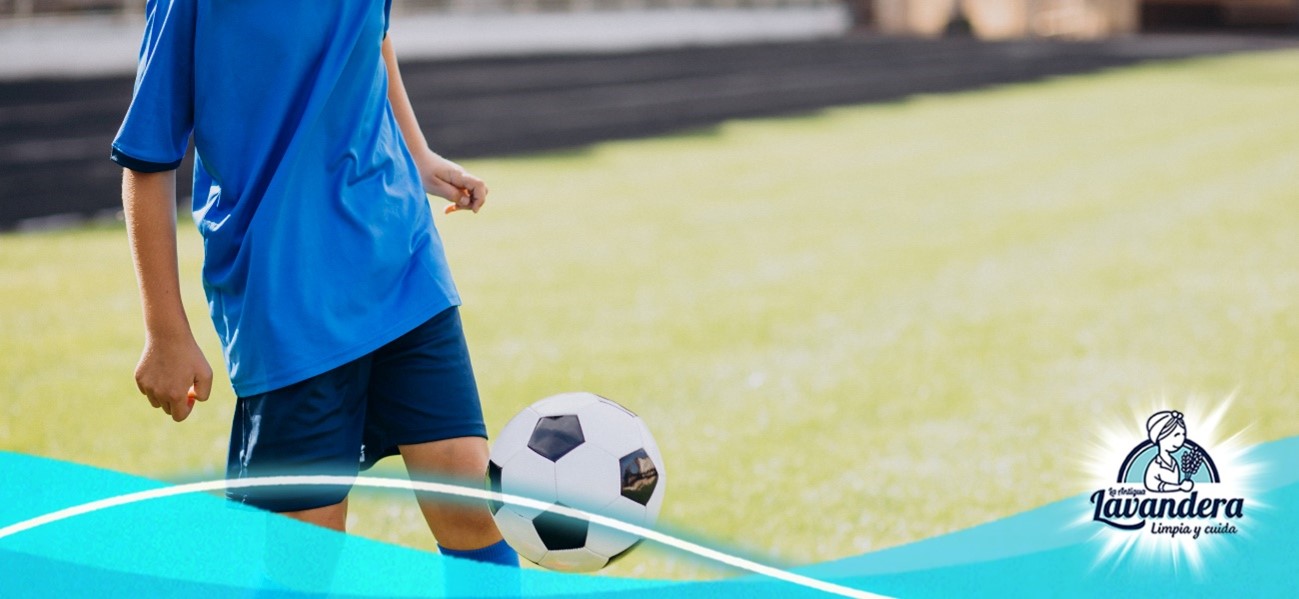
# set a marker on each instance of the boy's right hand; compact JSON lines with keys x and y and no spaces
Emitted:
{"x":173,"y":373}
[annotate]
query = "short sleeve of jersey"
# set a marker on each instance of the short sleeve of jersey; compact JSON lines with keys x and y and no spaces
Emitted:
{"x":387,"y":16}
{"x":155,"y":133}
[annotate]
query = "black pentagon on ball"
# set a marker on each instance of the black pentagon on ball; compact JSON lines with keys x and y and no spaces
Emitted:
{"x":555,"y":436}
{"x":559,"y":532}
{"x":494,"y":483}
{"x":639,"y":476}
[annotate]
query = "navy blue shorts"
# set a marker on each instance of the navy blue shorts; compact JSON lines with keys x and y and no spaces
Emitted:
{"x":416,"y":389}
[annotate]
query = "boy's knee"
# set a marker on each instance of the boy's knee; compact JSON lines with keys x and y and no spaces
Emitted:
{"x":460,"y":458}
{"x":330,"y":516}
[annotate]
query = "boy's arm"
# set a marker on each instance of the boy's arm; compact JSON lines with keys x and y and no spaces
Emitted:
{"x":441,"y":177}
{"x":172,"y":369}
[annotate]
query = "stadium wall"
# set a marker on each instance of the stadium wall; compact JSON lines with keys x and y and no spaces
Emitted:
{"x":1075,"y":19}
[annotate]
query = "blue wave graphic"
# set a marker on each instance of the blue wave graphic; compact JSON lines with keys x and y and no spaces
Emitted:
{"x":202,"y":545}
{"x":1044,"y":552}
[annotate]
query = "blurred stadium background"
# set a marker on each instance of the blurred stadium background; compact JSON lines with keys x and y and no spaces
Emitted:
{"x":992,"y":18}
{"x":573,"y":75}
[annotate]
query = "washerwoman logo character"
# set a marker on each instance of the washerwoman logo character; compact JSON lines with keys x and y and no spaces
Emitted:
{"x":1167,"y":431}
{"x":1172,"y":462}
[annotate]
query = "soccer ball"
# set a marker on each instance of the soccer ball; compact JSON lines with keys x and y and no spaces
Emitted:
{"x":582,"y":451}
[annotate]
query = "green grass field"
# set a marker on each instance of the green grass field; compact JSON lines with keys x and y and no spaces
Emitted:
{"x":849,"y":330}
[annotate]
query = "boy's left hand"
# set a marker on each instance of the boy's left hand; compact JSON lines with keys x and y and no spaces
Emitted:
{"x":448,"y":180}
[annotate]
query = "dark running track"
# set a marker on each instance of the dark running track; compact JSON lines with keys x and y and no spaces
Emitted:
{"x":54,"y":134}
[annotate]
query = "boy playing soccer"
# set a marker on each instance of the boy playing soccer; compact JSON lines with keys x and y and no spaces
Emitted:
{"x":324,"y":275}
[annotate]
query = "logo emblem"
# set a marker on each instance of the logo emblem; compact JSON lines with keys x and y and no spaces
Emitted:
{"x":1168,"y":461}
{"x":1168,"y":485}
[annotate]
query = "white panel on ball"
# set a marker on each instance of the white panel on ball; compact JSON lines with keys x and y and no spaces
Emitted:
{"x":520,"y":534}
{"x":564,"y":403}
{"x":610,"y":427}
{"x":573,"y":560}
{"x":587,"y":478}
{"x":514,"y":436}
{"x":529,"y":475}
{"x":609,"y":542}
{"x":651,"y":446}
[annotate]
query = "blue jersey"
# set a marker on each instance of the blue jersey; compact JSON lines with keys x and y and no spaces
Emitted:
{"x":319,"y":244}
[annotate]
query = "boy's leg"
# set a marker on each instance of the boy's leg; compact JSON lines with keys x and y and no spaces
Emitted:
{"x":298,"y":561}
{"x":457,"y":525}
{"x":424,"y":405}
{"x":330,"y":516}
{"x":313,"y":427}
{"x":463,"y":529}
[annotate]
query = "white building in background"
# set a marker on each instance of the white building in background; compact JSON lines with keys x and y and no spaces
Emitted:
{"x":51,"y":41}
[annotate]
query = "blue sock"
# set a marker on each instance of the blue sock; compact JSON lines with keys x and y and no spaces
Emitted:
{"x":500,"y":554}
{"x":466,"y":580}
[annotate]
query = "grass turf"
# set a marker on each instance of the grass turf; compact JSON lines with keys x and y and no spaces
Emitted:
{"x":848,"y":330}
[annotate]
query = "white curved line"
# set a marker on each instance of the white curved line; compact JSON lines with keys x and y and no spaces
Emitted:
{"x":441,"y":489}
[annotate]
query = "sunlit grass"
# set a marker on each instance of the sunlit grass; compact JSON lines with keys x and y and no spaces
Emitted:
{"x":848,"y":331}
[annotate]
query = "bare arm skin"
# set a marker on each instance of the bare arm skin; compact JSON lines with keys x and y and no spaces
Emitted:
{"x":441,"y":177}
{"x":172,"y":370}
